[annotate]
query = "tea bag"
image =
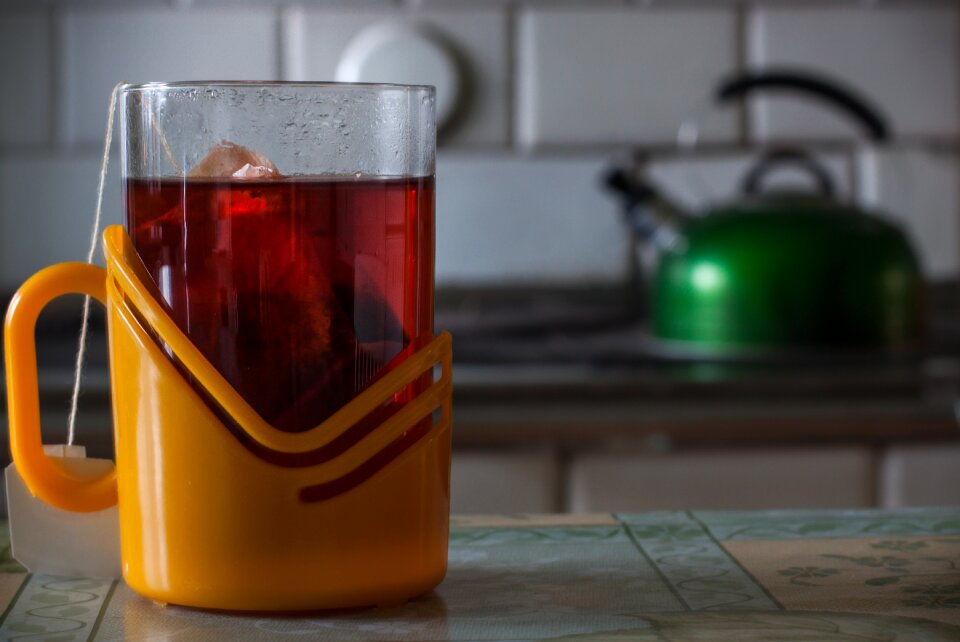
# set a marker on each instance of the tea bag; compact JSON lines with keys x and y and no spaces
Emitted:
{"x":294,"y":347}
{"x":53,"y":541}
{"x":226,"y":159}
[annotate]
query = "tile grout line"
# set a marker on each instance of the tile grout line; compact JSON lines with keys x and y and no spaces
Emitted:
{"x":652,"y":564}
{"x":56,"y":32}
{"x":735,"y":561}
{"x":564,"y":482}
{"x":103,"y":611}
{"x":280,"y":45}
{"x":510,"y":15}
{"x":743,"y":32}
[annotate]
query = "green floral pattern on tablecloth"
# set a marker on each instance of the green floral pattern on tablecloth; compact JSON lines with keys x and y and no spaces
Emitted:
{"x":899,"y":545}
{"x":651,"y":576}
{"x":925,"y":581}
{"x":693,"y":564}
{"x":802,"y":575}
{"x":536,"y":535}
{"x":821,"y":524}
{"x":56,"y":608}
{"x":905,"y":576}
{"x":933,"y":596}
{"x":766,"y":626}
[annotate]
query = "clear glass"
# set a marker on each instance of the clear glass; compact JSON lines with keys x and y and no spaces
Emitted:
{"x":289,"y":228}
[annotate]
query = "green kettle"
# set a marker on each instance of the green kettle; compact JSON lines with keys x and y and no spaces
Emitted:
{"x":778,"y":272}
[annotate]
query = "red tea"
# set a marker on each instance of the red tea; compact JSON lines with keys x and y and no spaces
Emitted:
{"x":300,"y":291}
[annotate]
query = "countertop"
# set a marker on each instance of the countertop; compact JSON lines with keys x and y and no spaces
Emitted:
{"x":570,"y":368}
{"x":574,"y":367}
{"x":781,"y":575}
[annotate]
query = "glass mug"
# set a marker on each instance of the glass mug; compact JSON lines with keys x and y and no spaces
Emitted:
{"x":281,"y":404}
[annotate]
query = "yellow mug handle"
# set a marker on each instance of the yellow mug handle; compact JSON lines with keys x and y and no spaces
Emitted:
{"x":46,"y":477}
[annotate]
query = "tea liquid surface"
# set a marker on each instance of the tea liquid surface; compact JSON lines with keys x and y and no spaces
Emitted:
{"x":300,"y":291}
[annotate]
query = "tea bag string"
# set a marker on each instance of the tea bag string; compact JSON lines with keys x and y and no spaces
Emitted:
{"x":91,"y":253}
{"x":166,"y":146}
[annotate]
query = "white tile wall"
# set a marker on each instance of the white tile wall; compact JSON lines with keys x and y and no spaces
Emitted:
{"x":904,"y":58}
{"x":920,"y":190}
{"x":502,"y":219}
{"x":620,"y":75}
{"x":25,"y":69}
{"x":921,"y":475}
{"x":46,"y":211}
{"x":490,"y":482}
{"x":737,"y":480}
{"x":104,"y":46}
{"x":314,"y":41}
{"x":573,"y":74}
{"x":702,"y":181}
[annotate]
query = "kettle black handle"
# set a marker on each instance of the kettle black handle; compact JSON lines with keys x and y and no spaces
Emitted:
{"x":776,"y":158}
{"x":804,"y":82}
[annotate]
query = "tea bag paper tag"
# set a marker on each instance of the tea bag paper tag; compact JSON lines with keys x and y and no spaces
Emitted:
{"x":52,"y":541}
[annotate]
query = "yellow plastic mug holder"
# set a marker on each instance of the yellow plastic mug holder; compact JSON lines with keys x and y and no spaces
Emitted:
{"x":218,"y":508}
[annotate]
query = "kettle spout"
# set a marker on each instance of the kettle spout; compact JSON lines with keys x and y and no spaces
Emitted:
{"x":651,"y":215}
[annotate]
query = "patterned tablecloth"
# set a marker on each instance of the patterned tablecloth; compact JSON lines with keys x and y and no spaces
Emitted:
{"x":782,"y":575}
